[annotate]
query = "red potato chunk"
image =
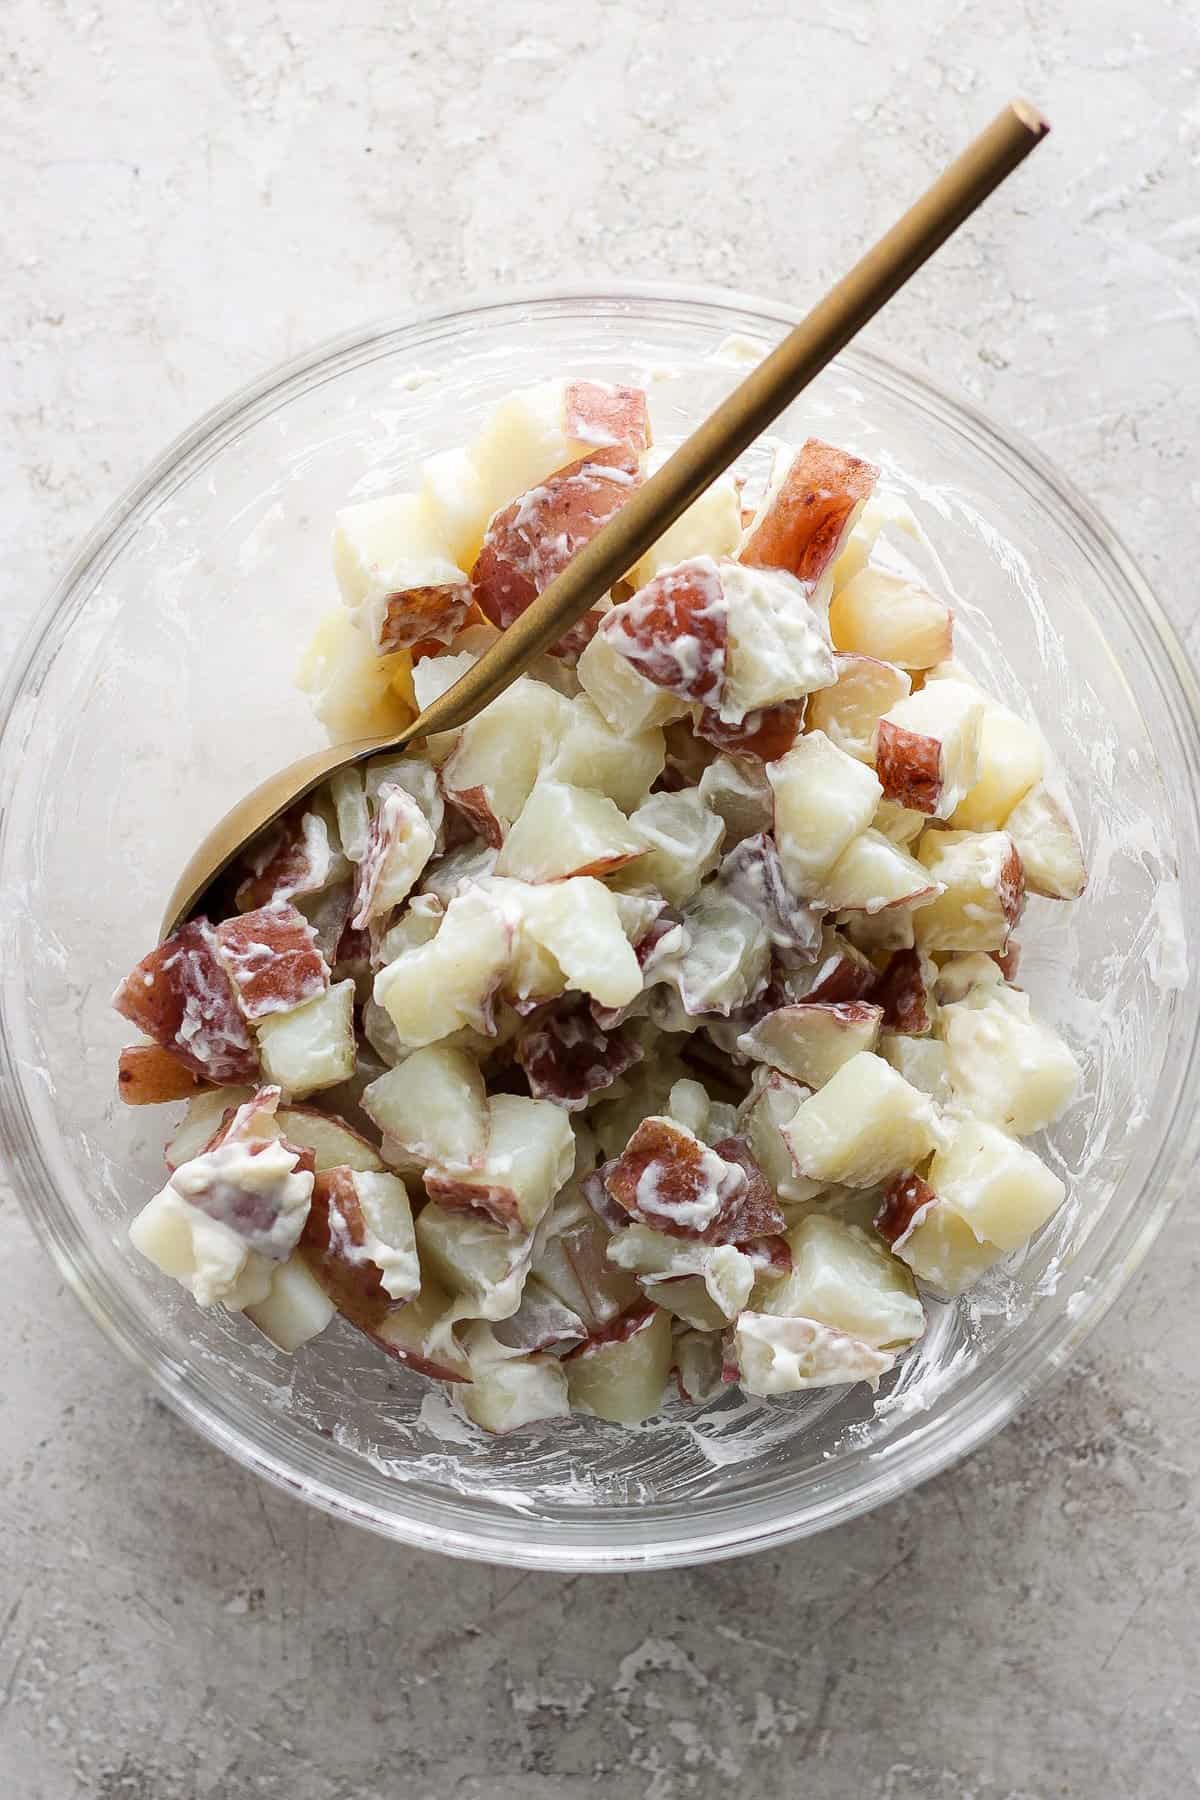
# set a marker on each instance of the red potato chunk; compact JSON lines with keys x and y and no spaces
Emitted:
{"x":294,"y":857}
{"x":399,"y":844}
{"x":753,"y":874}
{"x":427,"y":617}
{"x":668,"y":1179}
{"x":767,"y":733}
{"x":148,"y":1075}
{"x":180,"y":996}
{"x":567,"y":1057}
{"x":810,"y":514}
{"x":606,"y":414}
{"x":358,"y":1241}
{"x":272,"y":958}
{"x":531,"y":541}
{"x":674,"y":631}
{"x":902,"y":1200}
{"x":905,"y":992}
{"x":840,"y":974}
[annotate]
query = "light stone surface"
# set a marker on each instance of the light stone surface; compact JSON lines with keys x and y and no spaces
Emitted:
{"x":195,"y":191}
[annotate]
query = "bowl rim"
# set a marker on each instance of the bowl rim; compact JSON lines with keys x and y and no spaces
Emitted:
{"x":1032,"y":1369}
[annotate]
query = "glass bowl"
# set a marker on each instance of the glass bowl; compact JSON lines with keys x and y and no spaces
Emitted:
{"x":157,"y":687}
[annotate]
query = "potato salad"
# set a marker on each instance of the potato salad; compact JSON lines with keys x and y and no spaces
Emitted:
{"x":661,"y":1028}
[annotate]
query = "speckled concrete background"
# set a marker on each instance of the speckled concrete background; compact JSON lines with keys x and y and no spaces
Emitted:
{"x":194,"y":191}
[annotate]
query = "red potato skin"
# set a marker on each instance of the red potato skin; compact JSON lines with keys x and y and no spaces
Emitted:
{"x":603,"y":413}
{"x":281,"y":866}
{"x":474,"y":805}
{"x":841,"y":977}
{"x":1011,"y":886}
{"x":617,"y":1331}
{"x":355,"y":1288}
{"x":424,"y":615}
{"x":766,"y":734}
{"x":182,"y":984}
{"x":499,"y":1203}
{"x":806,"y":523}
{"x":751,"y":1212}
{"x":566,"y":1055}
{"x":903,"y":995}
{"x":532,"y":540}
{"x":902,"y":1201}
{"x":148,"y":1075}
{"x":1008,"y":960}
{"x":909,"y":766}
{"x":272,"y":959}
{"x":685,"y":602}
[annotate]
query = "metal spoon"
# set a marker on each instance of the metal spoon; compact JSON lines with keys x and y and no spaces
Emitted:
{"x":740,"y":418}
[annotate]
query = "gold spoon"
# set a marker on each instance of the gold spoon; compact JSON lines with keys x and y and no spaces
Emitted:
{"x":747,"y":411}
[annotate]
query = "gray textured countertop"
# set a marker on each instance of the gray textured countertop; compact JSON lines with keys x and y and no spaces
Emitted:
{"x":197,"y":191}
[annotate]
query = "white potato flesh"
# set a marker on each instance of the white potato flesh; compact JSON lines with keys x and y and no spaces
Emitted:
{"x":811,"y":1041}
{"x":887,"y":615}
{"x":873,"y":874}
{"x":313,"y":1046}
{"x":578,"y":924}
{"x":623,"y":696}
{"x":698,"y":1363}
{"x":507,"y":1396}
{"x":622,"y":1379}
{"x":454,"y":500}
{"x":334,"y":1144}
{"x":921,"y":1061}
{"x":400,"y":843}
{"x":842,"y":1278}
{"x":355,"y":692}
{"x":738,"y":792}
{"x":591,"y":754}
{"x":434,"y":1106}
{"x":375,"y":537}
{"x":764,"y":1117}
{"x":865,"y":1124}
{"x":349,"y":797}
{"x":1001,"y":1188}
{"x":523,"y":441}
{"x":471,"y":1256}
{"x":1004,"y":1065}
{"x":681,"y":840}
{"x":676,"y":1269}
{"x":943,"y":1251}
{"x":711,"y":526}
{"x":421,"y":1334}
{"x":983,"y":887}
{"x":778,"y":644}
{"x":1012,"y":757}
{"x":570,"y":1259}
{"x":530,"y":1156}
{"x":563,"y":831}
{"x":725,"y":957}
{"x":689,"y":1105}
{"x":295,"y":1310}
{"x":849,"y":711}
{"x":1049,"y":845}
{"x":824,"y":799}
{"x":785,"y":1355}
{"x":881,"y":512}
{"x":200,"y":1121}
{"x":500,"y":753}
{"x":927,"y":747}
{"x":387,"y":1241}
{"x":964,"y":970}
{"x":879,"y":934}
{"x":431,"y":992}
{"x":899,"y":823}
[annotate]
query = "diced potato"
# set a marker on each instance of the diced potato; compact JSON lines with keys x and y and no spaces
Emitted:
{"x":563,"y":831}
{"x":778,"y":644}
{"x":454,"y":499}
{"x":200,"y":1120}
{"x":530,"y":1155}
{"x":311,"y":1047}
{"x":421,"y":1335}
{"x":592,"y":755}
{"x":621,"y":1377}
{"x":500,"y":753}
{"x":942,"y":1250}
{"x":1004,"y":1065}
{"x":888,"y":616}
{"x":505,"y":1395}
{"x":1012,"y":757}
{"x":698,"y":1366}
{"x":334,"y":1144}
{"x":812,"y":503}
{"x":449,"y":982}
{"x":810,"y":1042}
{"x":783,"y":1355}
{"x":1048,"y":845}
{"x":865,"y":1124}
{"x":725,"y":1273}
{"x":983,"y":893}
{"x":964,"y":970}
{"x":849,"y":711}
{"x":434,"y":1106}
{"x":570,"y":1258}
{"x":373,"y":537}
{"x":540,"y":429}
{"x":399,"y":844}
{"x":624,"y":697}
{"x":688,"y":1105}
{"x":1000,"y":1187}
{"x":842,"y":1278}
{"x":471,"y":1256}
{"x":823,"y":800}
{"x":725,"y":958}
{"x":899,"y":823}
{"x":738,"y":792}
{"x":578,"y":924}
{"x":296,"y":1309}
{"x":766,"y":1114}
{"x":927,"y":748}
{"x":879,"y":935}
{"x":711,"y":526}
{"x":682,"y":844}
{"x":872,"y":874}
{"x":359,"y":1241}
{"x":357,"y":694}
{"x":882,"y":512}
{"x":349,"y":797}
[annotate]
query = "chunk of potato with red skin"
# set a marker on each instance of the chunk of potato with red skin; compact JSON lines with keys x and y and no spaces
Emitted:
{"x":849,"y":711}
{"x":418,"y":1335}
{"x":905,"y":992}
{"x":983,"y":882}
{"x":1048,"y":844}
{"x":531,"y":541}
{"x":529,"y":1157}
{"x":811,"y":1040}
{"x":873,"y":874}
{"x":148,"y":1075}
{"x":399,"y":844}
{"x":668,"y":1179}
{"x":295,"y":856}
{"x":564,"y":831}
{"x":425,"y":614}
{"x":606,"y":413}
{"x":567,"y":1057}
{"x":766,"y":734}
{"x":181,"y":996}
{"x":333,"y":1243}
{"x":272,"y":959}
{"x":927,"y":747}
{"x":620,"y":1374}
{"x":840,"y":972}
{"x":809,"y":515}
{"x":753,"y":873}
{"x":674,"y":631}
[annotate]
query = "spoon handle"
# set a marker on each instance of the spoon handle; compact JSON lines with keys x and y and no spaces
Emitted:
{"x":758,"y":400}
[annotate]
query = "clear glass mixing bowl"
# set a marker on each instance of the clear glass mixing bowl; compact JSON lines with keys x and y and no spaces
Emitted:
{"x":157,"y":687}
